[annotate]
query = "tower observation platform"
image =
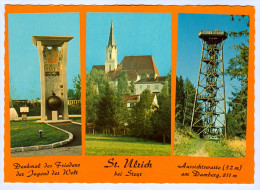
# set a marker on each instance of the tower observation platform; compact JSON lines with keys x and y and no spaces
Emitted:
{"x":209,"y":109}
{"x":213,"y":37}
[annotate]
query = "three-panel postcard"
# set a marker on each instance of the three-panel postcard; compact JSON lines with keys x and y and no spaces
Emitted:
{"x":159,"y":95}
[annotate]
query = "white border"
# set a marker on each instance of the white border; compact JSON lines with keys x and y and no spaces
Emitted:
{"x":28,"y":186}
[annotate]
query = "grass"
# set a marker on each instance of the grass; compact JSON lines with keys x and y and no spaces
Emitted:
{"x":219,"y":149}
{"x":238,"y":146}
{"x":26,"y":133}
{"x":188,"y":145}
{"x":127,"y":146}
{"x":76,"y":119}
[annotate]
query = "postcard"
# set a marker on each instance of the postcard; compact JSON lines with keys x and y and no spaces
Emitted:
{"x":129,"y":94}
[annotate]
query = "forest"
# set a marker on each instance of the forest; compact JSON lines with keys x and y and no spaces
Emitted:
{"x":106,"y":113}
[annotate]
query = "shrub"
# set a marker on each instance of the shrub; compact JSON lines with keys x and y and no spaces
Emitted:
{"x":75,"y":109}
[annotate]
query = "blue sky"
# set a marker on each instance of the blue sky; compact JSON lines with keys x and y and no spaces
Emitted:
{"x":189,"y":44}
{"x":23,"y":55}
{"x":135,"y":34}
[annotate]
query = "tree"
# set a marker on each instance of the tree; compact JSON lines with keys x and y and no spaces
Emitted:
{"x":106,"y":110}
{"x":91,"y":100}
{"x":71,"y":94}
{"x":238,"y":69}
{"x":169,"y":82}
{"x":179,"y":103}
{"x":122,"y":86}
{"x":77,"y":87}
{"x":132,"y":87}
{"x":161,"y":118}
{"x":99,"y":79}
{"x":189,"y":92}
{"x":140,"y":121}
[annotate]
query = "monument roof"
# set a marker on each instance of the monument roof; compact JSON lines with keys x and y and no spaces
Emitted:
{"x":51,"y":40}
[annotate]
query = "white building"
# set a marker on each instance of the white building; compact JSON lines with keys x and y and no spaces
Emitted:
{"x":155,"y":85}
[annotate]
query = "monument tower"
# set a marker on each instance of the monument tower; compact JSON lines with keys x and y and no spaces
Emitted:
{"x":209,"y":100}
{"x":111,"y":52}
{"x":52,"y":51}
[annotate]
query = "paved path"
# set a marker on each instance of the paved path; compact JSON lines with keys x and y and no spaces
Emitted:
{"x":72,"y":148}
{"x":61,"y":151}
{"x":75,"y":129}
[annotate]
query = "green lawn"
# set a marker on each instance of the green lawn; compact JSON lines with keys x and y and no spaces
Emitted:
{"x":76,"y":119}
{"x":127,"y":146}
{"x":26,"y":133}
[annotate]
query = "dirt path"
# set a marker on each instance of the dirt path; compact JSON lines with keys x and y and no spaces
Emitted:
{"x":201,"y":152}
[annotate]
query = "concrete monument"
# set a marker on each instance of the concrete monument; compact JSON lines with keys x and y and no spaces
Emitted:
{"x":13,"y":115}
{"x":52,"y":52}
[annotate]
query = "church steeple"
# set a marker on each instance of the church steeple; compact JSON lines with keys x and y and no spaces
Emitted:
{"x":111,"y":52}
{"x":111,"y":40}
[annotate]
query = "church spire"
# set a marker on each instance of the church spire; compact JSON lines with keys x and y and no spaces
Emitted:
{"x":111,"y":40}
{"x":111,"y":52}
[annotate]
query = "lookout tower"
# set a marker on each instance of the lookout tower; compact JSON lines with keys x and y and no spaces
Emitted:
{"x":52,"y":52}
{"x":209,"y":102}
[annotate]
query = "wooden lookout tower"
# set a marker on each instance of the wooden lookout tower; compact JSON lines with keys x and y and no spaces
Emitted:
{"x":209,"y":102}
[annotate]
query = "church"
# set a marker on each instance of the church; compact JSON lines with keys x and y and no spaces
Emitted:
{"x":141,"y":70}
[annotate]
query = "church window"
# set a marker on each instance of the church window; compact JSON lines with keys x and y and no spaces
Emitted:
{"x":140,"y":86}
{"x":109,"y":67}
{"x":156,"y":87}
{"x":148,"y":86}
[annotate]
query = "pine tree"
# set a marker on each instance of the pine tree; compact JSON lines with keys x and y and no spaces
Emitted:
{"x":189,"y":92}
{"x":161,"y":118}
{"x":91,"y":100}
{"x":77,"y":87}
{"x":179,"y":103}
{"x":122,"y":87}
{"x":238,"y":69}
{"x":140,"y":120}
{"x":99,"y":79}
{"x":106,"y":111}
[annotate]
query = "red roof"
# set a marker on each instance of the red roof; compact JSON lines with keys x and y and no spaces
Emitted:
{"x":131,"y":98}
{"x":140,"y":64}
{"x":113,"y":75}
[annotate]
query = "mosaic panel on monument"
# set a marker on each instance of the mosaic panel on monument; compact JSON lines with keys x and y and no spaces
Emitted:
{"x":53,"y":59}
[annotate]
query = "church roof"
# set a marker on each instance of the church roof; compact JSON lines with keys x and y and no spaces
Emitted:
{"x":132,"y":75}
{"x":111,"y":40}
{"x":113,"y":75}
{"x":98,"y":67}
{"x":141,"y":64}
